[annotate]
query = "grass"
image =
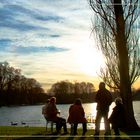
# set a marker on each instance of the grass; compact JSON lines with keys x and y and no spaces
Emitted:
{"x":31,"y":133}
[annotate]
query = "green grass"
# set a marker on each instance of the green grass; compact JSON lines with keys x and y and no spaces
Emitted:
{"x":29,"y":133}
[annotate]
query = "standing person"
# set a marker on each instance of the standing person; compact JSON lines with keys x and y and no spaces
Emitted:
{"x":103,"y":99}
{"x":117,"y":118}
{"x":52,"y":115}
{"x":77,"y":115}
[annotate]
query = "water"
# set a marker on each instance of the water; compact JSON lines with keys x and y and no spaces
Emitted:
{"x":32,"y":115}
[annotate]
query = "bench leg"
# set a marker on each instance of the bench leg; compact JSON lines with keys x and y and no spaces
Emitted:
{"x":52,"y":126}
{"x":46,"y":125}
{"x":51,"y":123}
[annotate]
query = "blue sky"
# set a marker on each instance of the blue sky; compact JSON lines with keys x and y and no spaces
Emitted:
{"x":49,"y":40}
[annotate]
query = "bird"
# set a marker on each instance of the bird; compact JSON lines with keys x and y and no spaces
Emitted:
{"x":14,"y":123}
{"x":23,"y":123}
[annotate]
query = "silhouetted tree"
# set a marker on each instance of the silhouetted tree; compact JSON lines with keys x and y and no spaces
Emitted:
{"x":16,"y":88}
{"x":118,"y":37}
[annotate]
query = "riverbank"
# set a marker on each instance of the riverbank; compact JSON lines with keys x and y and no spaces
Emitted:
{"x":31,"y":133}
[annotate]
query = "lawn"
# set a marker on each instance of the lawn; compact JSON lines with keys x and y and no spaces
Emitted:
{"x":31,"y":133}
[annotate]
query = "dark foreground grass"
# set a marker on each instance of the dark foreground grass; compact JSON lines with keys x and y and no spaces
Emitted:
{"x":39,"y":133}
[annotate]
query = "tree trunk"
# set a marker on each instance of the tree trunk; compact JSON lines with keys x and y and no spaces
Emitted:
{"x":125,"y":86}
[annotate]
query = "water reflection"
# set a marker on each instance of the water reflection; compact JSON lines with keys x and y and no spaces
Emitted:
{"x":90,"y":110}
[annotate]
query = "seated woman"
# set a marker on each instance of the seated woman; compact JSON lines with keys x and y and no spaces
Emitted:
{"x":77,"y":115}
{"x":117,"y":118}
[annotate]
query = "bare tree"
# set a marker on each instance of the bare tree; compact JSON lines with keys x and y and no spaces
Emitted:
{"x":118,"y":37}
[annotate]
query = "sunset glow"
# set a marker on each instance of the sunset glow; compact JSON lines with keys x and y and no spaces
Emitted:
{"x":49,"y":40}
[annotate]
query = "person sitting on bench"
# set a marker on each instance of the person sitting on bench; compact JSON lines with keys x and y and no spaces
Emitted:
{"x":52,"y":115}
{"x":77,"y":115}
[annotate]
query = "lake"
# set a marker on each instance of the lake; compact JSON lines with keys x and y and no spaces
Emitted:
{"x":31,"y":115}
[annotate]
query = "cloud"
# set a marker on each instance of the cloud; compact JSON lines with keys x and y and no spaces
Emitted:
{"x":10,"y":17}
{"x":45,"y":35}
{"x":48,"y":18}
{"x":54,"y":36}
{"x":32,"y":49}
{"x":4,"y":43}
{"x":14,"y":24}
{"x":20,"y":18}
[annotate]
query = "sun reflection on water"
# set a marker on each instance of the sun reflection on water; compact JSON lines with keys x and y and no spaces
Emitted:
{"x":91,"y":114}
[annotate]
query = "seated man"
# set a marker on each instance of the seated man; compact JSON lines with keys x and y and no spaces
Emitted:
{"x":52,"y":115}
{"x":77,"y":115}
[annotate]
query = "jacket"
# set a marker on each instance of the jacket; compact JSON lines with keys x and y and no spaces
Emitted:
{"x":76,"y":114}
{"x":103,"y":99}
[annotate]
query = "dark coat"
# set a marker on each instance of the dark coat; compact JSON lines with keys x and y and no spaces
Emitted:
{"x":103,"y":99}
{"x":76,"y":114}
{"x":51,"y":112}
{"x":117,"y":118}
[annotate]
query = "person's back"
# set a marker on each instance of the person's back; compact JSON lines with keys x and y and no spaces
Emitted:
{"x":104,"y":100}
{"x":76,"y":114}
{"x":51,"y":112}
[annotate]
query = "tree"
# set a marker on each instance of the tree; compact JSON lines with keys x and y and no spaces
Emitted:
{"x":117,"y":22}
{"x":66,"y":87}
{"x":16,"y":88}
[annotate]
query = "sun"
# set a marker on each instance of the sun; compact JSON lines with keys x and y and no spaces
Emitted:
{"x":90,"y":60}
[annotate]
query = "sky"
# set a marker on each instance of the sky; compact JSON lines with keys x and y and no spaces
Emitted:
{"x":50,"y":40}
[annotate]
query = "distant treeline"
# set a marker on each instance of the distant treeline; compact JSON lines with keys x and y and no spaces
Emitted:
{"x":16,"y":89}
{"x":67,"y":92}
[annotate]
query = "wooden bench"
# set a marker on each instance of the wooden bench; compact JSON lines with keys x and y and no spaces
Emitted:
{"x":90,"y":119}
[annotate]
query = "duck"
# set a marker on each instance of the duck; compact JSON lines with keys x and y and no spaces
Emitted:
{"x":23,"y":123}
{"x":14,"y":123}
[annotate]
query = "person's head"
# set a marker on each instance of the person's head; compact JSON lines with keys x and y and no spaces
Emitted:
{"x":53,"y":100}
{"x":118,"y":100}
{"x":78,"y":102}
{"x":102,"y":85}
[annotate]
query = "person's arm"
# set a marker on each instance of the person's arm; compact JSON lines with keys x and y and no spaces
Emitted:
{"x":110,"y":98}
{"x":55,"y":110}
{"x":82,"y":111}
{"x":97,"y":97}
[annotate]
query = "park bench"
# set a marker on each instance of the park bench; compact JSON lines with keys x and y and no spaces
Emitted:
{"x":90,"y":119}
